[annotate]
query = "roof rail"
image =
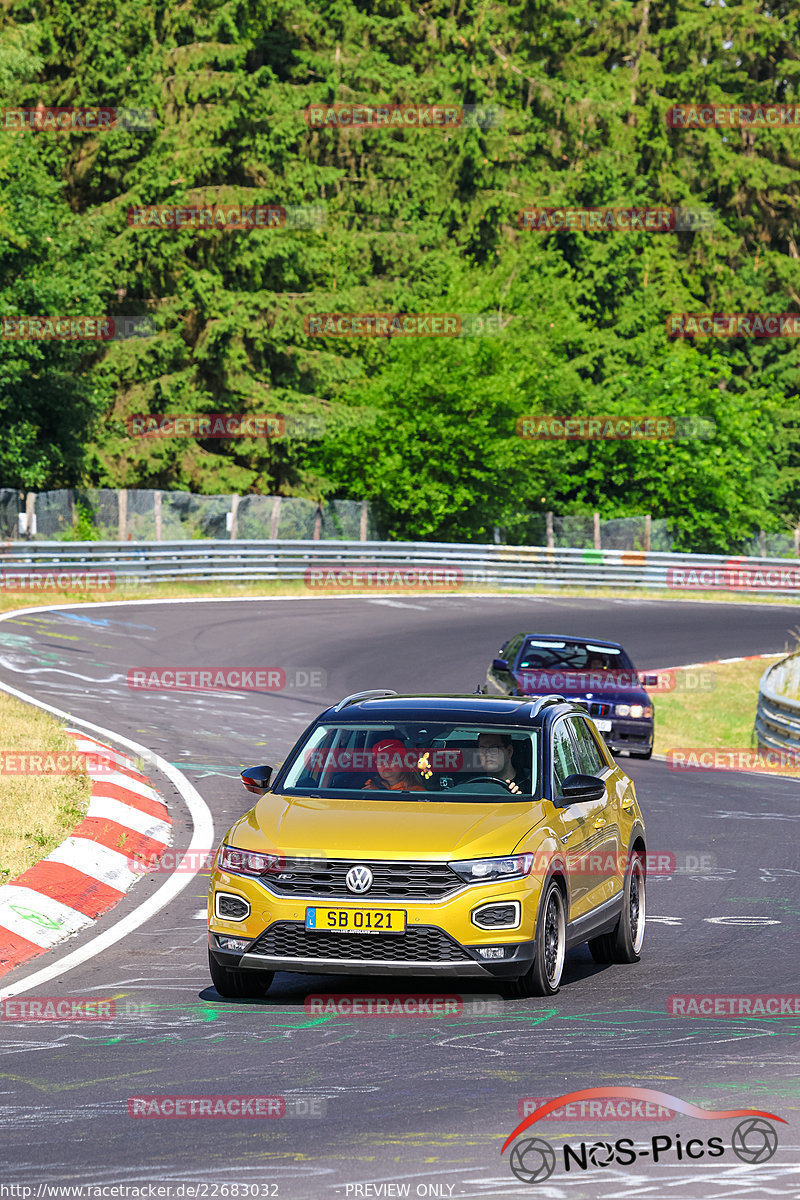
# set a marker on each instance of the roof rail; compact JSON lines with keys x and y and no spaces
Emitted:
{"x":544,"y":701}
{"x":374,"y":693}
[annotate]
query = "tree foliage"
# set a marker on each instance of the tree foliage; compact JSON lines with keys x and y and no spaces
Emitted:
{"x":416,"y":220}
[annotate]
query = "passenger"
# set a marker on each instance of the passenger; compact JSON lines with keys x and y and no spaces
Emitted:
{"x":390,"y":754}
{"x":494,"y":755}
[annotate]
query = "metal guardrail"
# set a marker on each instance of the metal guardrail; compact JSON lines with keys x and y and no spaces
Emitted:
{"x":448,"y":565}
{"x":777,"y":716}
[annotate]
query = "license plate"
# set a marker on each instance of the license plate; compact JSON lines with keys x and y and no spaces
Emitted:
{"x":356,"y":920}
{"x":603,"y":726}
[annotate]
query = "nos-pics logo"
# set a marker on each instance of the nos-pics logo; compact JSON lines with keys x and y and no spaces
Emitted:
{"x":533,"y":1159}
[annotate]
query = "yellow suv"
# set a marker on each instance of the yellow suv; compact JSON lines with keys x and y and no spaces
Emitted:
{"x":432,"y":836}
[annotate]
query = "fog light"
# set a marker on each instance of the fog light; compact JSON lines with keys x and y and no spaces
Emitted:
{"x":491,"y":951}
{"x":228,"y":907}
{"x":229,"y":943}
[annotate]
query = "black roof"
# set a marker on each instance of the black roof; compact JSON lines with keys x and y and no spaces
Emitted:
{"x":517,"y":711}
{"x":570,"y":637}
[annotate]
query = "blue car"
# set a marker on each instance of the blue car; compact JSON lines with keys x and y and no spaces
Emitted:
{"x":596,"y":674}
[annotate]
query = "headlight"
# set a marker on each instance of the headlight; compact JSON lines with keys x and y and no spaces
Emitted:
{"x":622,"y":710}
{"x":639,"y":710}
{"x":246,"y":862}
{"x":487,"y":870}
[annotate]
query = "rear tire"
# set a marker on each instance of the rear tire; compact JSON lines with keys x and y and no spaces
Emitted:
{"x":602,"y":948}
{"x":624,"y":943}
{"x":234,"y":984}
{"x":543,"y":977}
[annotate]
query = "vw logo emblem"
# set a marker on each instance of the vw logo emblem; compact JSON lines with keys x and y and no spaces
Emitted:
{"x":359,"y":879}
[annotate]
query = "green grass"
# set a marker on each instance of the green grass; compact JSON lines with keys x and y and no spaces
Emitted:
{"x":722,"y":717}
{"x":297,"y":588}
{"x":36,"y":811}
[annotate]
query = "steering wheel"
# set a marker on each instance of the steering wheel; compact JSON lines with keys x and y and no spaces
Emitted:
{"x":494,"y":779}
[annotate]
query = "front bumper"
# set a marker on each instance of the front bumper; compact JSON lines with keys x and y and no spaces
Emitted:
{"x":518,"y":958}
{"x":440,"y":937}
{"x":629,"y":735}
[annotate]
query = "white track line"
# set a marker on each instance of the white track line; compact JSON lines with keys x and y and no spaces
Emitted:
{"x":132,"y":818}
{"x":95,"y":860}
{"x":54,"y":920}
{"x":202,"y":838}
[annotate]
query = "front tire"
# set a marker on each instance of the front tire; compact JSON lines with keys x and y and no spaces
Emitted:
{"x":543,"y":977}
{"x":234,"y":984}
{"x":642,"y":753}
{"x":624,"y":944}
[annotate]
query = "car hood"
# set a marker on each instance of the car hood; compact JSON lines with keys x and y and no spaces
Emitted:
{"x":311,"y":827}
{"x":622,"y":689}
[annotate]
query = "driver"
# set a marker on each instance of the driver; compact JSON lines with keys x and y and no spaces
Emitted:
{"x":390,"y":755}
{"x":494,"y":755}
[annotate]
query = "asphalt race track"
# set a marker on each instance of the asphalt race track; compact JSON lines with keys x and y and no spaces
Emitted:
{"x":422,"y":1102}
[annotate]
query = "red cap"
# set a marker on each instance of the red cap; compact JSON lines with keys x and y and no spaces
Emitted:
{"x":389,"y":746}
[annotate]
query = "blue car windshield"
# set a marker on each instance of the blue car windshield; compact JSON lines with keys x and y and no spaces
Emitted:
{"x":438,"y":762}
{"x":573,"y":656}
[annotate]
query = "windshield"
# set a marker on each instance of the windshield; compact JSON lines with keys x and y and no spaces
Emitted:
{"x":431,"y":762}
{"x":574,"y":666}
{"x":576,"y":655}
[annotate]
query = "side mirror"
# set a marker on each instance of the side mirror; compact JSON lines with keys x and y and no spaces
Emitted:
{"x":500,"y":664}
{"x":256,"y":779}
{"x":582,"y":787}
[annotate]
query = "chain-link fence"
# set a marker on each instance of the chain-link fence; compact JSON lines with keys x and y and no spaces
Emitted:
{"x":587,"y":531}
{"x":774,"y":545}
{"x":9,"y":510}
{"x":146,"y":514}
{"x":616,"y":533}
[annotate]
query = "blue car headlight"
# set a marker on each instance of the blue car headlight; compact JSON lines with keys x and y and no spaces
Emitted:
{"x":637,"y":711}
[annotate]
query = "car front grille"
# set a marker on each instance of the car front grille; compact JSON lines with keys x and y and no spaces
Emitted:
{"x":423,"y":943}
{"x":405,"y":881}
{"x":595,"y":708}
